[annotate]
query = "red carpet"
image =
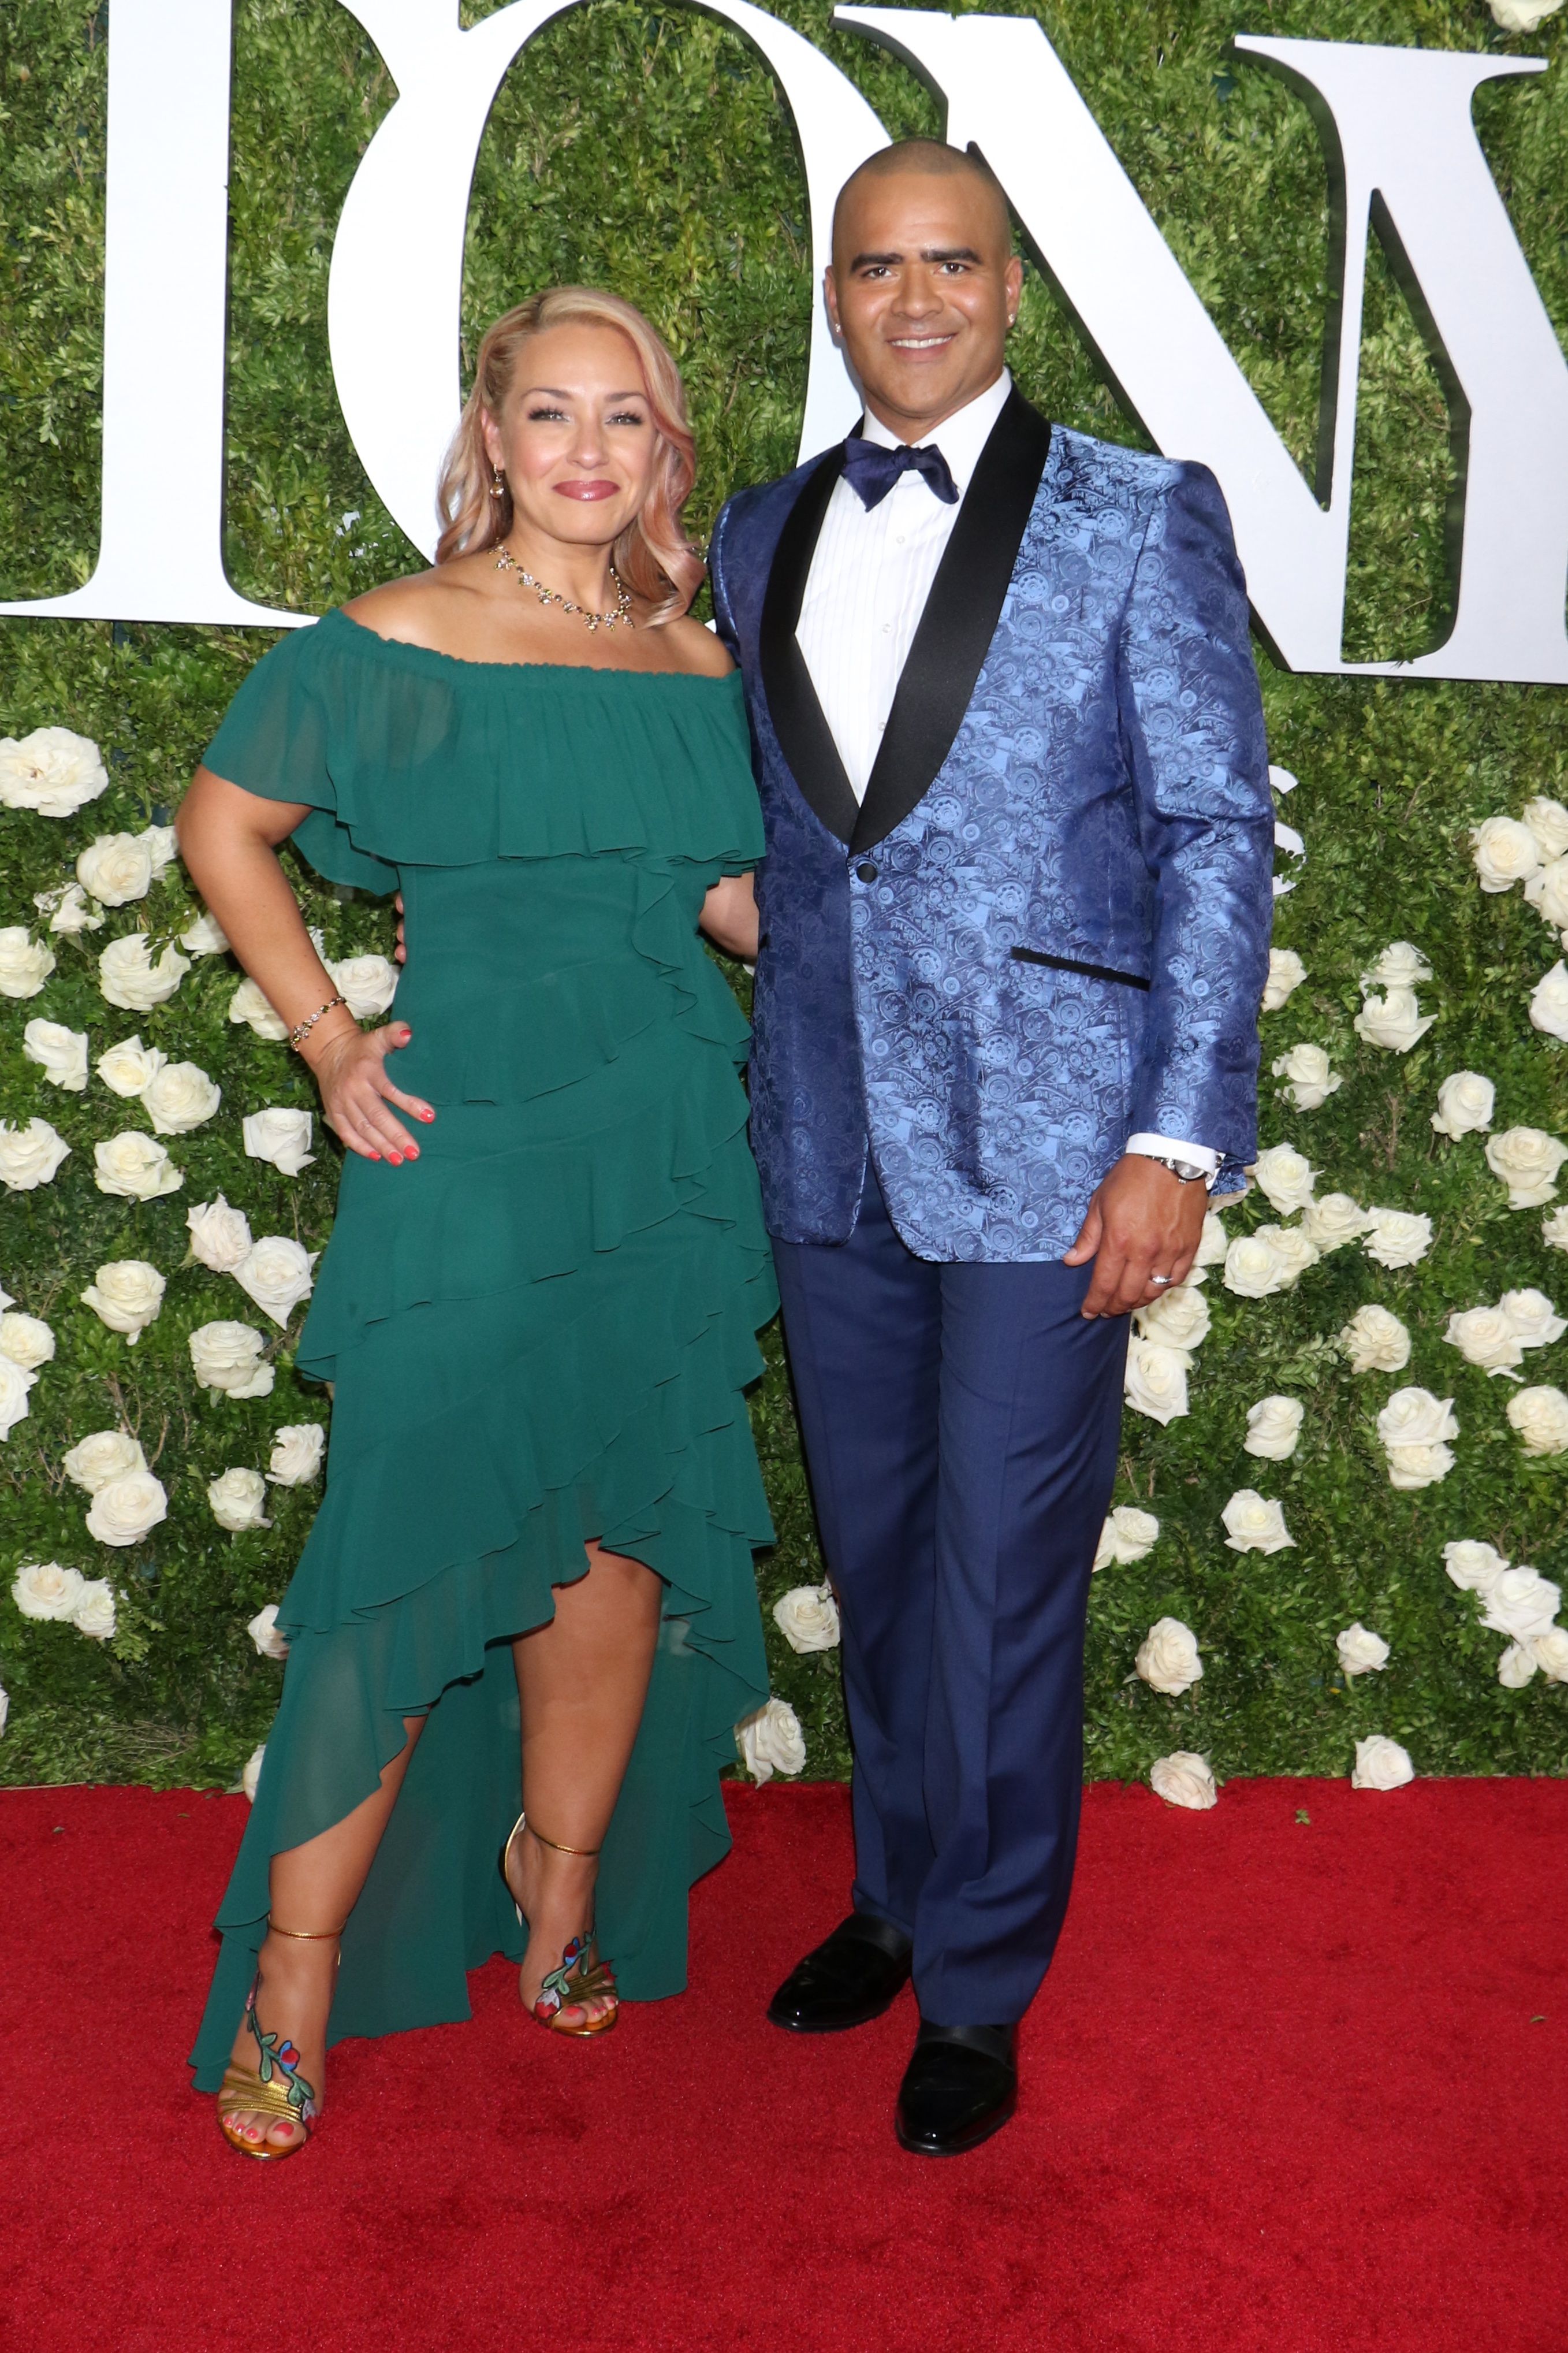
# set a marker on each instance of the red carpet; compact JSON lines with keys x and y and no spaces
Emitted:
{"x":1292,"y":2086}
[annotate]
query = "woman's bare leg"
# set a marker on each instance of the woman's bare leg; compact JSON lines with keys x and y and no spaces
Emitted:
{"x":313,"y":1887}
{"x":582,"y":1681}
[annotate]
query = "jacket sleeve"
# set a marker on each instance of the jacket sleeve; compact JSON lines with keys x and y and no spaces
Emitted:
{"x":723,"y":614}
{"x":1191,"y":718}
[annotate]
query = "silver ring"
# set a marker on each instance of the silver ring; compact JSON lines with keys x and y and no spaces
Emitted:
{"x":1158,"y":1278}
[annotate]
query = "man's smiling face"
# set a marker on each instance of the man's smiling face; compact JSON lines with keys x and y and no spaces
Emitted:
{"x":922,"y":290}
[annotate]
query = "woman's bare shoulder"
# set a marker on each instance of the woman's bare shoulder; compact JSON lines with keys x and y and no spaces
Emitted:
{"x":697,"y":649}
{"x":419,"y":610}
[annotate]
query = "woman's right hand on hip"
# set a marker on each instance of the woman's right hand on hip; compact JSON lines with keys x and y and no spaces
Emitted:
{"x":357,"y":1092}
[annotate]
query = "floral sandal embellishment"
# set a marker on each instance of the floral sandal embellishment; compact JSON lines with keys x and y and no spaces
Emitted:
{"x":579,"y":1980}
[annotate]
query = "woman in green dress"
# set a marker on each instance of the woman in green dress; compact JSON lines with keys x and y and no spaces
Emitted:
{"x":540,"y":1302}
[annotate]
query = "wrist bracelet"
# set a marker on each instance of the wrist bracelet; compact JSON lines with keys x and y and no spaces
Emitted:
{"x":302,"y":1029}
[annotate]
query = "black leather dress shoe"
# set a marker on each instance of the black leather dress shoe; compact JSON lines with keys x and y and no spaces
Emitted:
{"x":853,"y":1977}
{"x":960,"y":2086}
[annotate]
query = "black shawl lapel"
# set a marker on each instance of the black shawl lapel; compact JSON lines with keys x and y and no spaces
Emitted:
{"x":804,"y":735}
{"x":957,"y":626}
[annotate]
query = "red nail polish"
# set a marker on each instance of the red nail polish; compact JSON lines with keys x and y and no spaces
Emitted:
{"x":376,"y":1156}
{"x":412,"y":1152}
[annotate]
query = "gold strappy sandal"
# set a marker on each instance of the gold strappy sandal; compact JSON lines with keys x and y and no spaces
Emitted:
{"x":274,"y":2088}
{"x":581,"y":1976}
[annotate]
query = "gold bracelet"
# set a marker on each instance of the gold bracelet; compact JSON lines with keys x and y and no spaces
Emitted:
{"x":302,"y":1029}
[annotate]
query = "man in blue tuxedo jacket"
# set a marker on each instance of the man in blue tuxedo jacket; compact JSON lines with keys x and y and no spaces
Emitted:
{"x":1014,"y":933}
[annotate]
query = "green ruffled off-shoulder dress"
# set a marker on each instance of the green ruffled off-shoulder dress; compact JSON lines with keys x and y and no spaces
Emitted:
{"x":541,"y":1331}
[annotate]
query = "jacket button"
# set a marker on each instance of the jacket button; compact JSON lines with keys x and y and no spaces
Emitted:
{"x":866,"y":871}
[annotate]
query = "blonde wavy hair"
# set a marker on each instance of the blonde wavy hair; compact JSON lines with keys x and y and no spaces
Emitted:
{"x":653,"y":555}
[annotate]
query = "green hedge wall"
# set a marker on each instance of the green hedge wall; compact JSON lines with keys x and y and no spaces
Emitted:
{"x":649,"y":151}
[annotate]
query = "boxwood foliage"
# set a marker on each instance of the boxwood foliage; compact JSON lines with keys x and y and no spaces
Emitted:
{"x":648,"y":149}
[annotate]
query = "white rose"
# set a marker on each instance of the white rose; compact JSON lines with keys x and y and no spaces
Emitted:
{"x":15,"y":1385}
{"x":204,"y":935}
{"x":126,"y":1295}
{"x":126,"y":1509}
{"x":107,"y":1455}
{"x":26,"y":1340}
{"x":1127,"y":1536}
{"x":163,"y":847}
{"x":1183,"y":1779}
{"x":1213,"y":1241}
{"x":276,"y":1273}
{"x":369,"y":983}
{"x":133,"y":1168}
{"x":116,"y":868}
{"x":1395,"y":1021}
{"x":250,"y":1778}
{"x":1554,"y":1229}
{"x":1474,"y":1567}
{"x":1311,"y":1079}
{"x":1401,"y":965}
{"x":1168,"y":1658}
{"x":1397,"y":1236}
{"x":43,"y":1590}
{"x":94,"y":1613}
{"x":29,"y":1156}
{"x":1516,"y":1666}
{"x":1484,"y":1336}
{"x":1547,"y":892}
{"x":1551,"y":1654}
{"x":1465,"y":1104}
{"x":24,"y":963}
{"x":72,"y":915}
{"x":1361,"y":1652}
{"x":237,"y":1498}
{"x":1414,"y":1416}
{"x":1333,"y":1221}
{"x":248,"y":1004}
{"x":770,"y":1741}
{"x":1156,"y":1380}
{"x":1286,"y":974}
{"x":129,"y":977}
{"x":180,"y":1097}
{"x":1540,"y":1417}
{"x":1254,"y":1524}
{"x":1549,"y":1002}
{"x":1380,"y":1764}
{"x":283,"y":1138}
{"x":228,"y":1357}
{"x":60,"y":1053}
{"x":263,"y":1631}
{"x":1293,"y":1252}
{"x":1179,"y":1318}
{"x":129,"y":1067}
{"x":220,"y":1236}
{"x":1411,"y":1467}
{"x":1547,"y":819}
{"x":1505,"y":852}
{"x":51,"y":772}
{"x":1284,"y":1177}
{"x":1527,"y":1160}
{"x":1253,"y":1268}
{"x":1533,"y":1317}
{"x":807,"y":1617}
{"x":296,"y":1453}
{"x":1520,"y":1603}
{"x":1273,"y":1426}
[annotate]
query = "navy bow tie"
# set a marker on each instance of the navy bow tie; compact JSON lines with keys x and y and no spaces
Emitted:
{"x":871,"y":470}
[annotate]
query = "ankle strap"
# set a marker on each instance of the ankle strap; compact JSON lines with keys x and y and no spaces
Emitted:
{"x":306,"y":1936}
{"x":555,"y":1845}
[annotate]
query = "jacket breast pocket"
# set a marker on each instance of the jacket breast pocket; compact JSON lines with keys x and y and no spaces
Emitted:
{"x":1075,"y":963}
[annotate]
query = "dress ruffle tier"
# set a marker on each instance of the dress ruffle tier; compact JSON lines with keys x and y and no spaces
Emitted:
{"x":542,"y":1331}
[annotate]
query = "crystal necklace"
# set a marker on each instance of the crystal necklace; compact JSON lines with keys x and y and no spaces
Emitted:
{"x":507,"y":561}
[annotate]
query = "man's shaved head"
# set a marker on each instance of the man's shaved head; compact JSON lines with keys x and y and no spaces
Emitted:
{"x":931,"y":159}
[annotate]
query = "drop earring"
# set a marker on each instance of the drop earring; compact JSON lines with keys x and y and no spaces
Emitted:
{"x":498,"y":484}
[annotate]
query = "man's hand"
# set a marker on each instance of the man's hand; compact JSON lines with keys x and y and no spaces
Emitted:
{"x":1143,"y":1221}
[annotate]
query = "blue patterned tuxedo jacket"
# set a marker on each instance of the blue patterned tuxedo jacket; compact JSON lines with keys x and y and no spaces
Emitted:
{"x":1046,"y":926}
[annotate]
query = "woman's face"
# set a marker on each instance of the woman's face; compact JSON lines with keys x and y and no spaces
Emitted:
{"x":575,"y":437}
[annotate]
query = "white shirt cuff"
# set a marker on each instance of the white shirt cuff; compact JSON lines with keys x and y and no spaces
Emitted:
{"x":1170,"y":1147}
